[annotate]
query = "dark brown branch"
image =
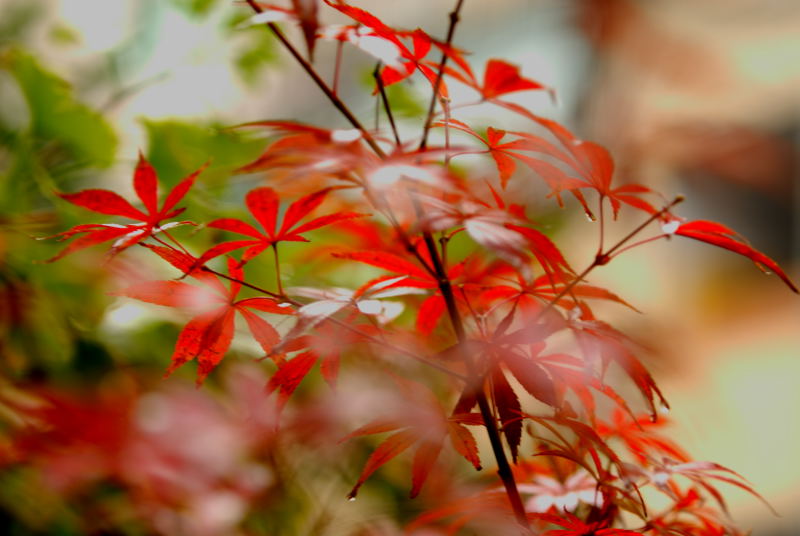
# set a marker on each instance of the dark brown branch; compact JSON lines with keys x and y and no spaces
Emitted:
{"x":387,"y":108}
{"x":454,"y":18}
{"x":503,"y":467}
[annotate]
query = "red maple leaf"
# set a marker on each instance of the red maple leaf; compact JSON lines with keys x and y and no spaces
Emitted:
{"x":263,"y":203}
{"x":499,"y":78}
{"x":721,"y":236}
{"x":591,"y":164}
{"x":639,"y":437}
{"x":208,"y":335}
{"x":573,"y":526}
{"x":145,"y":183}
{"x":427,"y":427}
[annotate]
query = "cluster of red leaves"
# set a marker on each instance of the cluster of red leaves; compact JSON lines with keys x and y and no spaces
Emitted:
{"x":506,"y":302}
{"x":146,"y":443}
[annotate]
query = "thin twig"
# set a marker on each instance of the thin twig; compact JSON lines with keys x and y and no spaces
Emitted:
{"x":446,"y":112}
{"x":337,"y":67}
{"x":603,"y":257}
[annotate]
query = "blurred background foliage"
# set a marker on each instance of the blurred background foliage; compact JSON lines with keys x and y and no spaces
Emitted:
{"x":701,"y":99}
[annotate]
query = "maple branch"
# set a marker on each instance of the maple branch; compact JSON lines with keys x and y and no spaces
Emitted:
{"x":312,"y":72}
{"x":503,"y":467}
{"x":387,"y":108}
{"x":678,"y":199}
{"x":269,"y":293}
{"x":454,"y":18}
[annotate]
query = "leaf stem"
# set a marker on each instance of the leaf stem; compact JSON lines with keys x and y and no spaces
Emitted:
{"x":600,"y":215}
{"x":277,"y":267}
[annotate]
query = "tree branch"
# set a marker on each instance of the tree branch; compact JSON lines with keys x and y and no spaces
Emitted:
{"x":312,"y":72}
{"x":387,"y":108}
{"x":454,"y":18}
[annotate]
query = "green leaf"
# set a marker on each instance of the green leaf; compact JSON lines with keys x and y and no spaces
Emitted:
{"x":195,"y":8}
{"x":55,"y":113}
{"x":177,"y":148}
{"x":405,"y":103}
{"x":256,"y":53}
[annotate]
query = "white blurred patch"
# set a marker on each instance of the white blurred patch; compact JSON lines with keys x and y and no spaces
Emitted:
{"x":343,"y":135}
{"x":268,"y":15}
{"x":83,"y":15}
{"x":125,"y":315}
{"x":220,"y":510}
{"x":153,"y":413}
{"x":670,"y":227}
{"x":389,"y":175}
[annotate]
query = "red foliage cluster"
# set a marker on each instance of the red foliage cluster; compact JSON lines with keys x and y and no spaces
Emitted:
{"x":485,"y":323}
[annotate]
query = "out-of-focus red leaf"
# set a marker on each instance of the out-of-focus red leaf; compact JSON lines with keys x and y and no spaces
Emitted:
{"x":501,"y":78}
{"x":544,"y":287}
{"x":464,"y":443}
{"x":424,"y":459}
{"x":391,"y":447}
{"x":546,"y":252}
{"x":574,"y":526}
{"x":429,"y":314}
{"x":387,"y":261}
{"x":167,"y":293}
